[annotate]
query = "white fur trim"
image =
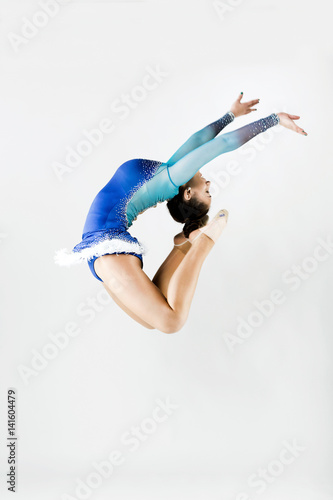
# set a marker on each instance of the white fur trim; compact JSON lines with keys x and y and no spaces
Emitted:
{"x":65,"y":258}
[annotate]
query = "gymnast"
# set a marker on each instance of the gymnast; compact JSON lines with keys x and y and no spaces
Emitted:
{"x":114,"y":256}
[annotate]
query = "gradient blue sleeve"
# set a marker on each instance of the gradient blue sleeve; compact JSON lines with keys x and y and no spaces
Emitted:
{"x":187,"y":166}
{"x":201,"y":137}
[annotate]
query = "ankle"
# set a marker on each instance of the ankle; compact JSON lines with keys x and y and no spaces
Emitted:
{"x":183,"y":247}
{"x":202,"y":239}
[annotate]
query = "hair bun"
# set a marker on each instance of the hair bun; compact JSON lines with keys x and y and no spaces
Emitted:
{"x":192,"y":225}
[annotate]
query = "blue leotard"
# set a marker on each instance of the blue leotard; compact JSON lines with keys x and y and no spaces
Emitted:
{"x":140,"y":184}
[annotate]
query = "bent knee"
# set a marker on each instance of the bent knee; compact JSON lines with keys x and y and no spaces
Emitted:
{"x":171,"y":323}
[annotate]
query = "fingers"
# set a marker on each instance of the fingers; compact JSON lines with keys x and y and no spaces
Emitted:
{"x":299,"y":130}
{"x":244,"y":108}
{"x":253,"y":103}
{"x":248,"y":103}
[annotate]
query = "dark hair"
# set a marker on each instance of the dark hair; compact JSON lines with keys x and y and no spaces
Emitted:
{"x":193,"y":213}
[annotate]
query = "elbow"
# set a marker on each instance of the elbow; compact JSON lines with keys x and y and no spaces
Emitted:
{"x":232,"y":143}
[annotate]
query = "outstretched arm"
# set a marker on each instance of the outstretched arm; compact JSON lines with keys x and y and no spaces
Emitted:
{"x":212,"y":130}
{"x":182,"y":171}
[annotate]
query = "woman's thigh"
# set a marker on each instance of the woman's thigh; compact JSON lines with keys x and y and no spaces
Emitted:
{"x":123,"y":276}
{"x":126,"y":309}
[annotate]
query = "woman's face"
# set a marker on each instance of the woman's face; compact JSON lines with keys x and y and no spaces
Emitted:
{"x":198,"y":186}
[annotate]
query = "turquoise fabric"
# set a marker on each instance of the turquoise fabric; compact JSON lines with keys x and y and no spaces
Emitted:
{"x":199,"y":149}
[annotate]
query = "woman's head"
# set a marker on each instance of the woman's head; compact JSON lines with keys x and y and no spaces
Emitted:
{"x":192,"y":203}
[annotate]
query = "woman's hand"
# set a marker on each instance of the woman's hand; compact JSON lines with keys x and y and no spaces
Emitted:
{"x":243,"y":108}
{"x":287,"y":121}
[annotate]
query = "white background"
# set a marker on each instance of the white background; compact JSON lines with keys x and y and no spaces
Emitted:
{"x":235,"y":409}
